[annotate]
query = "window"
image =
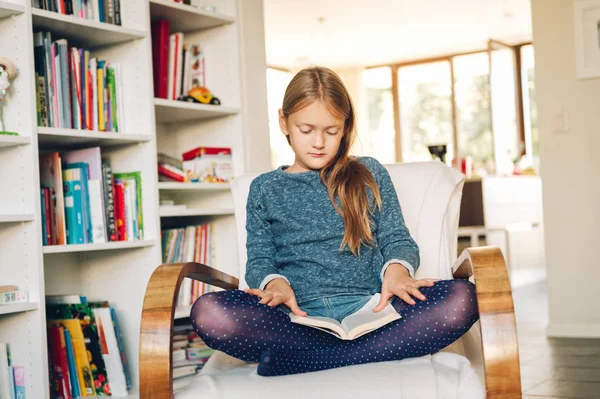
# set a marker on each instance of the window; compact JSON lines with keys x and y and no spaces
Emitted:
{"x":472,"y":101}
{"x":425,"y":109}
{"x":532,"y":138}
{"x":277,"y":82}
{"x":379,"y":140}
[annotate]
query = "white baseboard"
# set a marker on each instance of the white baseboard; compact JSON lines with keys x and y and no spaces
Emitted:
{"x":569,"y":330}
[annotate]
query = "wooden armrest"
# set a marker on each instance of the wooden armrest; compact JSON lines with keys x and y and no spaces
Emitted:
{"x":158,"y":312}
{"x":497,"y":319}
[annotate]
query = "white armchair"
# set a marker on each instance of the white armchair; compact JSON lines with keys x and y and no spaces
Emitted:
{"x":484,"y":363}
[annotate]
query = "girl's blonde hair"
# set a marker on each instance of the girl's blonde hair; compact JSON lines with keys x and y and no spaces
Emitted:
{"x":344,"y":177}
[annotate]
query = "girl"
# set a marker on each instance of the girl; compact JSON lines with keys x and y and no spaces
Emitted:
{"x":324,"y":235}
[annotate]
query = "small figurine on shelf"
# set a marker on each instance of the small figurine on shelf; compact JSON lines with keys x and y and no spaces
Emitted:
{"x":8,"y":71}
{"x":201,"y":95}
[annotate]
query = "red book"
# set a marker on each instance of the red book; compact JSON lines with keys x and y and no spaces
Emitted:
{"x":46,"y":204}
{"x":160,"y":57}
{"x":170,"y":174}
{"x":174,"y":77}
{"x":197,"y":152}
{"x":60,"y":365}
{"x":120,"y":211}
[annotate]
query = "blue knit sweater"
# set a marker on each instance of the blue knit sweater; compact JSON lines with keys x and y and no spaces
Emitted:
{"x":294,"y":231}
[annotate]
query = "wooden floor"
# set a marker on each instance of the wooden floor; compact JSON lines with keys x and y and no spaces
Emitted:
{"x":552,"y":368}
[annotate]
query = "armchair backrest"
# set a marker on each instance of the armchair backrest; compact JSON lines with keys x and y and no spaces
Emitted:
{"x":429,"y":195}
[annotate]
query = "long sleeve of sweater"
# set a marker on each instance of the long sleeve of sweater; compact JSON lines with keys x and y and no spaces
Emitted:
{"x":394,"y":239}
{"x":261,"y":248}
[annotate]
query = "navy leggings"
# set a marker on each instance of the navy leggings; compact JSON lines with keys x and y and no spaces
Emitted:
{"x":235,"y":323}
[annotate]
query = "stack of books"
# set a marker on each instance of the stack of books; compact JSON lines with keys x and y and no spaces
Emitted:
{"x":85,"y":348}
{"x":177,"y":67}
{"x":190,"y":354}
{"x":200,"y":165}
{"x":75,"y":90}
{"x":84,"y":202}
{"x":108,"y":11}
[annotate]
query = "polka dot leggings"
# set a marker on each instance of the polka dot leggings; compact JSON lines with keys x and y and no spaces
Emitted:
{"x":235,"y":323}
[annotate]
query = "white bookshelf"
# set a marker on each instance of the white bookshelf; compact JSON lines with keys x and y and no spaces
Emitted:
{"x":166,"y":213}
{"x":58,"y":138}
{"x":170,"y":111}
{"x":108,"y":246}
{"x":7,"y":9}
{"x":18,"y":308}
{"x":82,"y":31}
{"x":182,"y":312}
{"x":10,"y":141}
{"x":113,"y":271}
{"x":186,"y":18}
{"x":15,"y":218}
{"x":175,"y":186}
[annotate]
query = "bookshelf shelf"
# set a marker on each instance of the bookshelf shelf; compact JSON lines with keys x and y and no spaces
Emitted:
{"x":168,"y":186}
{"x":16,"y":218}
{"x":167,"y":213}
{"x":83,"y":31}
{"x":9,"y":141}
{"x":186,"y":18}
{"x":183,"y":312}
{"x":18,"y":307}
{"x":8,"y":9}
{"x":170,"y":111}
{"x":71,"y":248}
{"x":57,"y":138}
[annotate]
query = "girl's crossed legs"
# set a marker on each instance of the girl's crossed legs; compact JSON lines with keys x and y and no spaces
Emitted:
{"x":235,"y":323}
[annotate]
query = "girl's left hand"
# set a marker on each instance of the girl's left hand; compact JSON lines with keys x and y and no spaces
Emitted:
{"x":397,"y":281}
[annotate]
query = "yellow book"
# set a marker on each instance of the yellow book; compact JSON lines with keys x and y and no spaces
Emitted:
{"x":84,"y":371}
{"x":100,"y":79}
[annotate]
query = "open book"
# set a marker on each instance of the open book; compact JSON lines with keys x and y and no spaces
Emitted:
{"x":359,"y":323}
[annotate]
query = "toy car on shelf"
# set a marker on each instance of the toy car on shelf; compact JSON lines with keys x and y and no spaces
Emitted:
{"x":201,"y":95}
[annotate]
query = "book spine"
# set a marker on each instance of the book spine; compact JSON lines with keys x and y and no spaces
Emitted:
{"x":19,"y":382}
{"x":117,"y":6}
{"x":167,"y":172}
{"x":73,"y":378}
{"x":109,"y":201}
{"x":43,"y":192}
{"x":120,"y":207}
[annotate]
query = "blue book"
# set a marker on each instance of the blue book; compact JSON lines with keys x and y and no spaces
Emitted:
{"x":75,"y":391}
{"x":11,"y":376}
{"x":44,"y":226}
{"x":84,"y":176}
{"x":73,"y":210}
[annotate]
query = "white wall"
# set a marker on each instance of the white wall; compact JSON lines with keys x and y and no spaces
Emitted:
{"x":254,"y":78}
{"x":570,"y":169}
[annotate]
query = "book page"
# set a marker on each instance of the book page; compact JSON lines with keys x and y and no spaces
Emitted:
{"x":365,"y":320}
{"x":326,"y":324}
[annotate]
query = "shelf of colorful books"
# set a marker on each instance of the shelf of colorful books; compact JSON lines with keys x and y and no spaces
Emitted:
{"x":10,"y":141}
{"x":183,"y":312}
{"x":16,"y":218}
{"x":18,"y":307}
{"x":83,"y":31}
{"x":186,"y":18}
{"x":8,"y":9}
{"x":176,"y":186}
{"x":169,"y":111}
{"x":108,"y":246}
{"x":59,"y":138}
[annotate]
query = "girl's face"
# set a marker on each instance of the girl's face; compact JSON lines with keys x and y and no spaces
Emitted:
{"x":313,"y":130}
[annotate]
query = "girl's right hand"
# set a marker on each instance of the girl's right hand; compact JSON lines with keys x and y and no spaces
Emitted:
{"x":276,"y":292}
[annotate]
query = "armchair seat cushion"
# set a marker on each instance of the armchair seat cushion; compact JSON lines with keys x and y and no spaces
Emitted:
{"x":441,"y":375}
